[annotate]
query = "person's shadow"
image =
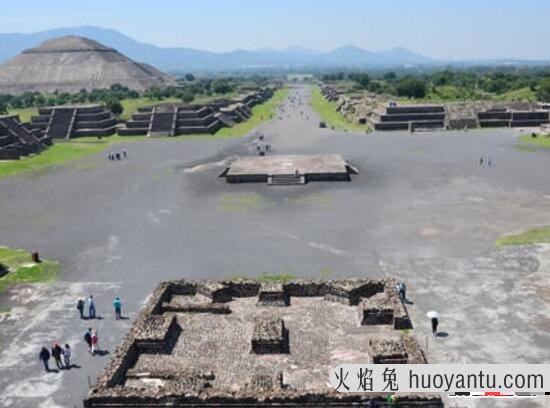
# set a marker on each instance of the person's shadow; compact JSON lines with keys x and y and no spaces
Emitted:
{"x":101,"y":353}
{"x":442,"y":334}
{"x":72,"y":366}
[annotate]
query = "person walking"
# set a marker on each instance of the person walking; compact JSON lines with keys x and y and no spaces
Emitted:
{"x":481,"y":161}
{"x":398,"y":289}
{"x":124,"y":153}
{"x":489,"y":161}
{"x":435,"y":322}
{"x":80,"y":307}
{"x":117,"y":304}
{"x":403,"y":293}
{"x":88,"y":339}
{"x":57,"y":352}
{"x":67,"y":353}
{"x":91,"y":307}
{"x":95,"y":342}
{"x":44,"y":356}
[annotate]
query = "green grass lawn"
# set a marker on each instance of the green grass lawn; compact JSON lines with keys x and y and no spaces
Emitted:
{"x":23,"y":270}
{"x":260,"y":114}
{"x":540,"y":141}
{"x":25,"y":114}
{"x":60,"y":152}
{"x":533,"y":236}
{"x":327,"y":111}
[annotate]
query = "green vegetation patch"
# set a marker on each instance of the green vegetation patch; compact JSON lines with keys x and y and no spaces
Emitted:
{"x":260,"y":113}
{"x":23,"y":270}
{"x":326,"y":272}
{"x":526,"y":148}
{"x":540,"y":140}
{"x":329,"y":114}
{"x":283,"y":277}
{"x":60,"y":152}
{"x":533,"y":236}
{"x":25,"y":114}
{"x":240,"y":202}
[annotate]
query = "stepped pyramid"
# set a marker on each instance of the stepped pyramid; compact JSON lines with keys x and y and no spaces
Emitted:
{"x":68,"y":64}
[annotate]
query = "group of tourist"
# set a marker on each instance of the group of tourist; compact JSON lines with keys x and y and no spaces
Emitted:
{"x":485,"y":161}
{"x":117,"y":155}
{"x":61,"y":355}
{"x":89,"y":304}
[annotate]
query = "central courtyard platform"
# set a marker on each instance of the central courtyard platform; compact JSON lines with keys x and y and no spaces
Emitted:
{"x":289,"y":169}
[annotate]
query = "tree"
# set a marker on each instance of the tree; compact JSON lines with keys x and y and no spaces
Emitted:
{"x":221,"y":86}
{"x":412,"y":88}
{"x":390,"y":76}
{"x":189,"y":77}
{"x":3,"y":108}
{"x":114,"y":106}
{"x":543,"y":92}
{"x":187,"y":96}
{"x":362,"y":79}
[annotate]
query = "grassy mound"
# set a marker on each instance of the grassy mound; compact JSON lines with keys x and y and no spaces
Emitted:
{"x":23,"y":270}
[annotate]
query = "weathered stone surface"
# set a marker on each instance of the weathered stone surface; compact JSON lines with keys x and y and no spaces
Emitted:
{"x":273,"y":294}
{"x":270,"y":336}
{"x":253,"y":356}
{"x":388,"y":352}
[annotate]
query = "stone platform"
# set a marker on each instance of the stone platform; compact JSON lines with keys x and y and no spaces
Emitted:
{"x":254,"y":355}
{"x":289,"y":169}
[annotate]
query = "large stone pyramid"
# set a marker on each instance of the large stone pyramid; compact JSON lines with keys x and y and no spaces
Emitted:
{"x":68,"y":64}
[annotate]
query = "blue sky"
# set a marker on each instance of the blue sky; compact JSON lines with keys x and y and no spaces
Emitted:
{"x":450,"y":29}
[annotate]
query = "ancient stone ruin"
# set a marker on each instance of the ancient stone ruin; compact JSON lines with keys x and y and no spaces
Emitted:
{"x":413,"y":117}
{"x":69,"y":64}
{"x":246,"y":343}
{"x":292,"y":169}
{"x":18,"y":139}
{"x":173,"y":120}
{"x":385,"y":115}
{"x":66,"y":122}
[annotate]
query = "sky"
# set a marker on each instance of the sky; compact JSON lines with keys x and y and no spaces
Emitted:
{"x":446,"y":29}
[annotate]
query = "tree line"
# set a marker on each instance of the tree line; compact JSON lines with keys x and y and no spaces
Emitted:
{"x":475,"y":83}
{"x":186,"y":92}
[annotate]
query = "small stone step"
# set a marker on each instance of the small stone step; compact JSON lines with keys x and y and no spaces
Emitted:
{"x":286,"y":180}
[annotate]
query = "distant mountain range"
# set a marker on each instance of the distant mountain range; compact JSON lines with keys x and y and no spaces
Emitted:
{"x":179,"y":59}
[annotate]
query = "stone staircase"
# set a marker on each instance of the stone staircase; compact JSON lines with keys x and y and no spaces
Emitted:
{"x":60,"y":125}
{"x":286,"y":179}
{"x":162,"y":123}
